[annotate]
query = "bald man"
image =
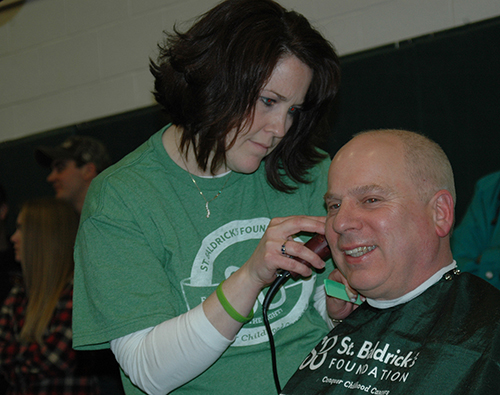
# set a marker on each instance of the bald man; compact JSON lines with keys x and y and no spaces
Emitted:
{"x":424,"y":328}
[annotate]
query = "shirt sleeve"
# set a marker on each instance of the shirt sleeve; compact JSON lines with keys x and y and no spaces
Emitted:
{"x":162,"y":358}
{"x":118,"y":256}
{"x":320,"y":305}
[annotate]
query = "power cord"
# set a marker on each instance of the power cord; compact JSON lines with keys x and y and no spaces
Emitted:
{"x":317,"y":244}
{"x":271,"y":293}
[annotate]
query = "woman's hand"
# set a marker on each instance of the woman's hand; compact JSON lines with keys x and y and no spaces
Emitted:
{"x":339,"y":309}
{"x":242,"y":288}
{"x":268,"y":257}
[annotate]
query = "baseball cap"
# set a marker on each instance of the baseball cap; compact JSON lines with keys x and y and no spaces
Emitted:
{"x":82,"y":149}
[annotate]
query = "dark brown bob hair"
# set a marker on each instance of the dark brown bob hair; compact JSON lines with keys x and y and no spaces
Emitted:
{"x":210,"y":78}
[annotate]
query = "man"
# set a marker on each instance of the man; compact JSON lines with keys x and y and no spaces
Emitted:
{"x":424,"y":328}
{"x":75,"y":163}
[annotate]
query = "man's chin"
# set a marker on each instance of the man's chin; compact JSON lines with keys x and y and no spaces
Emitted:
{"x":362,"y":285}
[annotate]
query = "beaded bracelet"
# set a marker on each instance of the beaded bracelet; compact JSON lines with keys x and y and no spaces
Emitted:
{"x":230,"y":309}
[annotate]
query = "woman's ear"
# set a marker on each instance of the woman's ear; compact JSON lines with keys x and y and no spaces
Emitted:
{"x":443,"y":212}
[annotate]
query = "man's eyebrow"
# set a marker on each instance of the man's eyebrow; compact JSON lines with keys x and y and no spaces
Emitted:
{"x":58,"y":162}
{"x":364,"y":189}
{"x":360,"y":190}
{"x":329,"y":196}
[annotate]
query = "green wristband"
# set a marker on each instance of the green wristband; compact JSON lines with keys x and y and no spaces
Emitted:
{"x":230,"y":309}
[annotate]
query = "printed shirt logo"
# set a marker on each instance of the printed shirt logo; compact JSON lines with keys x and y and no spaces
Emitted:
{"x":344,"y":362}
{"x":288,"y":305}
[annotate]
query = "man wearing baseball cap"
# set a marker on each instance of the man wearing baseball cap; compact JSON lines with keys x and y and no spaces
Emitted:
{"x":74,"y":163}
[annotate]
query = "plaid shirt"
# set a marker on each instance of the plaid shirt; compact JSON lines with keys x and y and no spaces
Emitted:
{"x":50,"y":368}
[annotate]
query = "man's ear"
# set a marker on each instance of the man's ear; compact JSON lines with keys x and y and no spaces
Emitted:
{"x":89,"y":171}
{"x":443,"y":212}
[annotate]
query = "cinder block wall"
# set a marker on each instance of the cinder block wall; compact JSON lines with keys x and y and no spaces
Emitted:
{"x":67,"y":61}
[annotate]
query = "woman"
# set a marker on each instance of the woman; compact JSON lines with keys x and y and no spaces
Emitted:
{"x":36,"y":354}
{"x":178,"y":240}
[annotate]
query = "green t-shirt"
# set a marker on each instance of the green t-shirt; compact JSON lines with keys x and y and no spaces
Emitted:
{"x":445,"y":341}
{"x":146,"y":253}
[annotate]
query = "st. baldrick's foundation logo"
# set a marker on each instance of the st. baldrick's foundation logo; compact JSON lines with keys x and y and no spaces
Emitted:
{"x":288,"y":305}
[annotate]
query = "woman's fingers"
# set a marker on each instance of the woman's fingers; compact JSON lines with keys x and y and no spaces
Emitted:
{"x":278,"y":245}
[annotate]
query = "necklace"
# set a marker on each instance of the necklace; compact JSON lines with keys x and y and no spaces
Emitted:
{"x":199,"y":190}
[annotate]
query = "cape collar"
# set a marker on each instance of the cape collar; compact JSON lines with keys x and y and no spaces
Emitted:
{"x":385,"y":304}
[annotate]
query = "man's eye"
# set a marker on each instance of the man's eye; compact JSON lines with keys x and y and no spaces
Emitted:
{"x":333,"y":206}
{"x":371,"y":200}
{"x":59,"y":166}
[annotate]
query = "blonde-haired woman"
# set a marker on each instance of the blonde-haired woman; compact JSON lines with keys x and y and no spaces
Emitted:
{"x":36,"y":355}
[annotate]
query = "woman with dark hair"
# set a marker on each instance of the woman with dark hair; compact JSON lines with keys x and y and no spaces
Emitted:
{"x":179,"y":240}
{"x":36,"y":354}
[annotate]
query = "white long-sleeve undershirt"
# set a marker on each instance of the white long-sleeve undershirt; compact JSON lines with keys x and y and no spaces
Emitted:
{"x":161,"y":358}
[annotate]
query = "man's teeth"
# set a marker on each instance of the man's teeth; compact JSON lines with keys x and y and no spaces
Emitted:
{"x":357,"y":252}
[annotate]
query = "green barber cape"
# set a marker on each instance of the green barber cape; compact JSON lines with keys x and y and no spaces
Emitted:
{"x":445,"y":341}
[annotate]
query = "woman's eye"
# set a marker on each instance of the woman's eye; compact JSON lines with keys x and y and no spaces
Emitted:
{"x":267,"y":101}
{"x":293,"y":110}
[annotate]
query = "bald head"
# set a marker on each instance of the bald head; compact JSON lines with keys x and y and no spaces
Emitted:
{"x":425,"y":161}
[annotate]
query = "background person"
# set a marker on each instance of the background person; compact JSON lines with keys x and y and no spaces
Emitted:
{"x":74,"y":164}
{"x":36,"y":354}
{"x":476,"y":241}
{"x":424,"y":328}
{"x":207,"y":203}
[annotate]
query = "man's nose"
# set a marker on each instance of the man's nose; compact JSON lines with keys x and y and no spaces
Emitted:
{"x":52,"y":176}
{"x":347,"y":218}
{"x":14,"y":237}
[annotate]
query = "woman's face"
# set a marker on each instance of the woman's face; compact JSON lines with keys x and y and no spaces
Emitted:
{"x":17,"y":239}
{"x":280,"y":101}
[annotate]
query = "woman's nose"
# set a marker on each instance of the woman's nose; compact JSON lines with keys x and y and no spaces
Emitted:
{"x":278,"y":125}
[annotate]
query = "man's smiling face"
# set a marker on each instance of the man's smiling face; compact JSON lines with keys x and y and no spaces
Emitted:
{"x":377,"y":227}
